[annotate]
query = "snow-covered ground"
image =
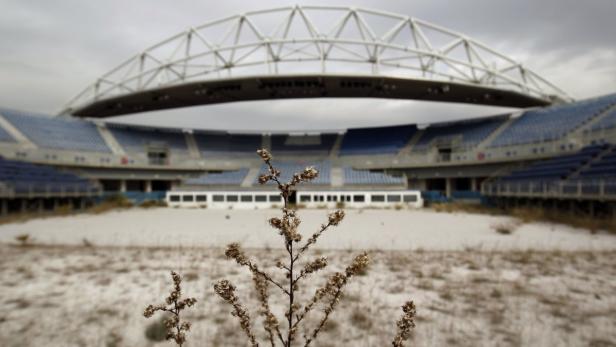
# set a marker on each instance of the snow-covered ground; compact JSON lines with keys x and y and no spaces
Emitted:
{"x":361,"y":229}
{"x":544,"y":285}
{"x":78,"y":296}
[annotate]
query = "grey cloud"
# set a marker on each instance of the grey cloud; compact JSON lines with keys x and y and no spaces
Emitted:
{"x":53,"y":49}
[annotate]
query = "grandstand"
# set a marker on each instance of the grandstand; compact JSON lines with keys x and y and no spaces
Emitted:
{"x":382,"y":140}
{"x":24,"y":178}
{"x":231,"y":178}
{"x":552,"y":123}
{"x":556,"y":152}
{"x":317,"y":144}
{"x":137,"y":139}
{"x":365,"y":177}
{"x":561,"y":167}
{"x":608,"y":122}
{"x":24,"y":184}
{"x":587,"y":175}
{"x":604,"y":167}
{"x":225,"y":144}
{"x":66,"y":134}
{"x":289,"y":168}
{"x":464,"y":134}
{"x":5,"y":136}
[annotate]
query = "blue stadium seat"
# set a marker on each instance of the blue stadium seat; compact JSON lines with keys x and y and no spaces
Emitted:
{"x":287,"y":170}
{"x":309,"y":144}
{"x":607,"y":122}
{"x":224,"y":178}
{"x":604,"y":167}
{"x":383,"y":140}
{"x":5,"y":136}
{"x":223,"y":144}
{"x":135,"y":139}
{"x":552,"y":123}
{"x":25,"y":177}
{"x":469,"y":133}
{"x":353,"y":176}
{"x":57,"y":133}
{"x":556,"y":169}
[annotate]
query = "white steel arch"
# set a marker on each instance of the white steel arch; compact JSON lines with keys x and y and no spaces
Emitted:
{"x":317,"y":40}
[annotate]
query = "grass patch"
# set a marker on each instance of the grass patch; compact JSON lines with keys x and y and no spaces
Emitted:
{"x":504,"y":228}
{"x":594,"y":224}
{"x":111,"y":203}
{"x":533,"y":215}
{"x":360,"y":319}
{"x":153,"y":203}
{"x":453,"y":207}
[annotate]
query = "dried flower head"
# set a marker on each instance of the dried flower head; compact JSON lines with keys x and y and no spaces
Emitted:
{"x":336,"y":217}
{"x":235,"y":252}
{"x":176,"y":329}
{"x":264,"y":179}
{"x":264,"y":154}
{"x":405,"y":324}
{"x":226,"y":291}
{"x":287,"y":226}
{"x":359,"y":264}
{"x":270,"y":322}
{"x":316,"y":265}
{"x":309,"y":174}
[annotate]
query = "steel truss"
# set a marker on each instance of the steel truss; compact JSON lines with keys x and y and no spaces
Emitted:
{"x":317,"y":40}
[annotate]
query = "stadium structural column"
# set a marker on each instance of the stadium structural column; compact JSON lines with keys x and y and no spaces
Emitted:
{"x":474,"y":184}
{"x":591,"y":208}
{"x":448,"y":183}
{"x":572,"y":208}
{"x":423,"y":184}
{"x":147,"y":186}
{"x":554,"y":205}
{"x":122,"y":186}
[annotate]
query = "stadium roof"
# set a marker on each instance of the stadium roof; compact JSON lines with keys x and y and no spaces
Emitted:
{"x":313,"y":51}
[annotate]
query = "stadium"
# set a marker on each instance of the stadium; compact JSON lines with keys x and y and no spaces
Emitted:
{"x":550,"y":152}
{"x":553,"y":150}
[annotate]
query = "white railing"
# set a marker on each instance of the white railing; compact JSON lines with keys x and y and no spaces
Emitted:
{"x":48,"y":190}
{"x":574,"y":189}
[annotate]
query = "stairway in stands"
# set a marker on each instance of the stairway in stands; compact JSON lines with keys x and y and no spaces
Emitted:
{"x":251,"y":176}
{"x":488,"y":140}
{"x":333,"y":153}
{"x":266,"y":142}
{"x":191,"y":144}
{"x":16,"y":134}
{"x":592,"y":121}
{"x":110,"y":141}
{"x":414,"y":139}
{"x":609,"y":149}
{"x":336,"y":177}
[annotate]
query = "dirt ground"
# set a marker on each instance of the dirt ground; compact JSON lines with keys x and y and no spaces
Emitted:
{"x":94,"y":296}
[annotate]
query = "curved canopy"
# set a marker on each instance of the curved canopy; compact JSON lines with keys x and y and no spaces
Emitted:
{"x":313,"y":51}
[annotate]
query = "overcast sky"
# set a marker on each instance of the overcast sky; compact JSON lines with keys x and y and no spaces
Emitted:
{"x":51,"y":50}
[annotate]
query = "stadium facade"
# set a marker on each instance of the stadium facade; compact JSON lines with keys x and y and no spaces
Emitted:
{"x":552,"y":151}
